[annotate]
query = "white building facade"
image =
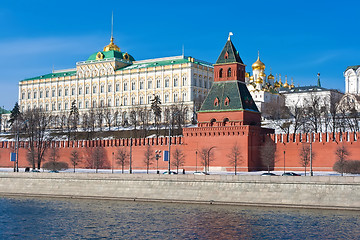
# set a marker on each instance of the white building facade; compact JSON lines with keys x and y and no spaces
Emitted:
{"x":352,"y":79}
{"x":111,"y":78}
{"x":301,"y":97}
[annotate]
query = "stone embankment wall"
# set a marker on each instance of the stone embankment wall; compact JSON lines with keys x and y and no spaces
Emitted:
{"x":329,"y":192}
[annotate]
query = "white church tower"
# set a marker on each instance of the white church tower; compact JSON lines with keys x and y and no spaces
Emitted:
{"x":352,"y":80}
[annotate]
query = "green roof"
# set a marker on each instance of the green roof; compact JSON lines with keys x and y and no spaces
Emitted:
{"x":110,"y":54}
{"x":52,"y":75}
{"x":353,"y":67}
{"x":229,"y":54}
{"x":163,"y":63}
{"x":139,"y":65}
{"x":4,"y":111}
{"x":237,"y":93}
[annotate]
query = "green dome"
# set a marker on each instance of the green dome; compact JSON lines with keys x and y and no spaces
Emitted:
{"x":112,"y":54}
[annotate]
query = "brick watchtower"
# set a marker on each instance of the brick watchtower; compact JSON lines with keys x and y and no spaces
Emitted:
{"x":229,"y":102}
{"x":228,"y":117}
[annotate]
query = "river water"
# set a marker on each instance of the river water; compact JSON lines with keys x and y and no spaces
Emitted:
{"x":42,"y":218}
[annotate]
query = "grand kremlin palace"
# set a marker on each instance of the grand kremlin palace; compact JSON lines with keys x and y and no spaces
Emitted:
{"x":113,"y":78}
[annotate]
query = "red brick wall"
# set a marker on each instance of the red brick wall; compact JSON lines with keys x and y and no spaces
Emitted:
{"x":248,"y":138}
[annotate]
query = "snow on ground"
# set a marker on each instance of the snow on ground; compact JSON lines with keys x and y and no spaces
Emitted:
{"x":143,"y":171}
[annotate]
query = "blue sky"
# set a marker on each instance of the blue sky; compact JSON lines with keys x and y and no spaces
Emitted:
{"x":295,"y":38}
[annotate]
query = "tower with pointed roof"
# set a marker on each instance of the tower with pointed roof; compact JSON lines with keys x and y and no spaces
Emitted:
{"x":229,"y":102}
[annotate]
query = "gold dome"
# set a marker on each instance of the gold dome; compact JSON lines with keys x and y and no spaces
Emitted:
{"x":271,"y":76}
{"x":276,"y":84}
{"x":247,"y":75}
{"x":258,"y":64}
{"x":259,"y":80}
{"x":252,"y":78}
{"x":112,"y":46}
{"x":286,"y":85}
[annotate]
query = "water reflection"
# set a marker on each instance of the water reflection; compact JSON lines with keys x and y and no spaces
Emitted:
{"x":33,"y":218}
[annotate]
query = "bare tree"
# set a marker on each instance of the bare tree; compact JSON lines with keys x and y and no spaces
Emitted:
{"x":198,"y":101}
{"x":267,"y":154}
{"x":96,"y":158}
{"x":314,"y":111}
{"x":88,"y":123}
{"x":155,"y":107}
{"x":207,"y":156}
{"x":297,"y":114}
{"x":178,"y":159}
{"x":63,"y":121}
{"x":37,"y":123}
{"x":99,"y":117}
{"x":75,"y":158}
{"x":122,"y":157}
{"x":144,"y":119}
{"x":53,"y":160}
{"x":134,"y":118}
{"x":148,"y":157}
{"x":342,"y":154}
{"x":109,"y":118}
{"x":333,"y":109}
{"x":305,"y":155}
{"x":53,"y":154}
{"x":235,"y":156}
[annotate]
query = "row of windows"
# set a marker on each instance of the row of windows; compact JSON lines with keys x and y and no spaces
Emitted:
{"x":221,"y":72}
{"x":102,"y":89}
{"x":124,"y":102}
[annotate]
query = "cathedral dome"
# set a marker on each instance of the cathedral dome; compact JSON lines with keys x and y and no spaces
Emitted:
{"x":271,"y":77}
{"x":276,"y":84}
{"x":258,"y":64}
{"x":259,"y":80}
{"x":247,"y":75}
{"x":112,"y":46}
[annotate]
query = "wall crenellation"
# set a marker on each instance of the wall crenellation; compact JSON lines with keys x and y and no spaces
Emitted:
{"x":316,"y":137}
{"x":125,"y":142}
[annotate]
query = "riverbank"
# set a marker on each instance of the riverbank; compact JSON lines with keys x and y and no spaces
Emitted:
{"x":321,"y":192}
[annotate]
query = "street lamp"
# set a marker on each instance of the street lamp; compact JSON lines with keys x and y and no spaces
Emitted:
{"x":208,"y":159}
{"x":130,"y":167}
{"x":196,"y":152}
{"x":311,"y":171}
{"x":112,"y":165}
{"x":284,"y":161}
{"x":157,"y":156}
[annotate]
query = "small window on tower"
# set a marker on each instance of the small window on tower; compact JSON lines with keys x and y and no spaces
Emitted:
{"x":216,"y":102}
{"x":220,"y":72}
{"x":227,"y":101}
{"x":229,"y":72}
{"x":226,"y":56}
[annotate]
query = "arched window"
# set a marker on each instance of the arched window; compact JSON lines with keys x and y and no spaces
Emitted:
{"x":216,"y":102}
{"x":226,"y":120}
{"x":220,"y":72}
{"x":229,"y":72}
{"x":212,"y":121}
{"x":227,"y":101}
{"x":132,"y":85}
